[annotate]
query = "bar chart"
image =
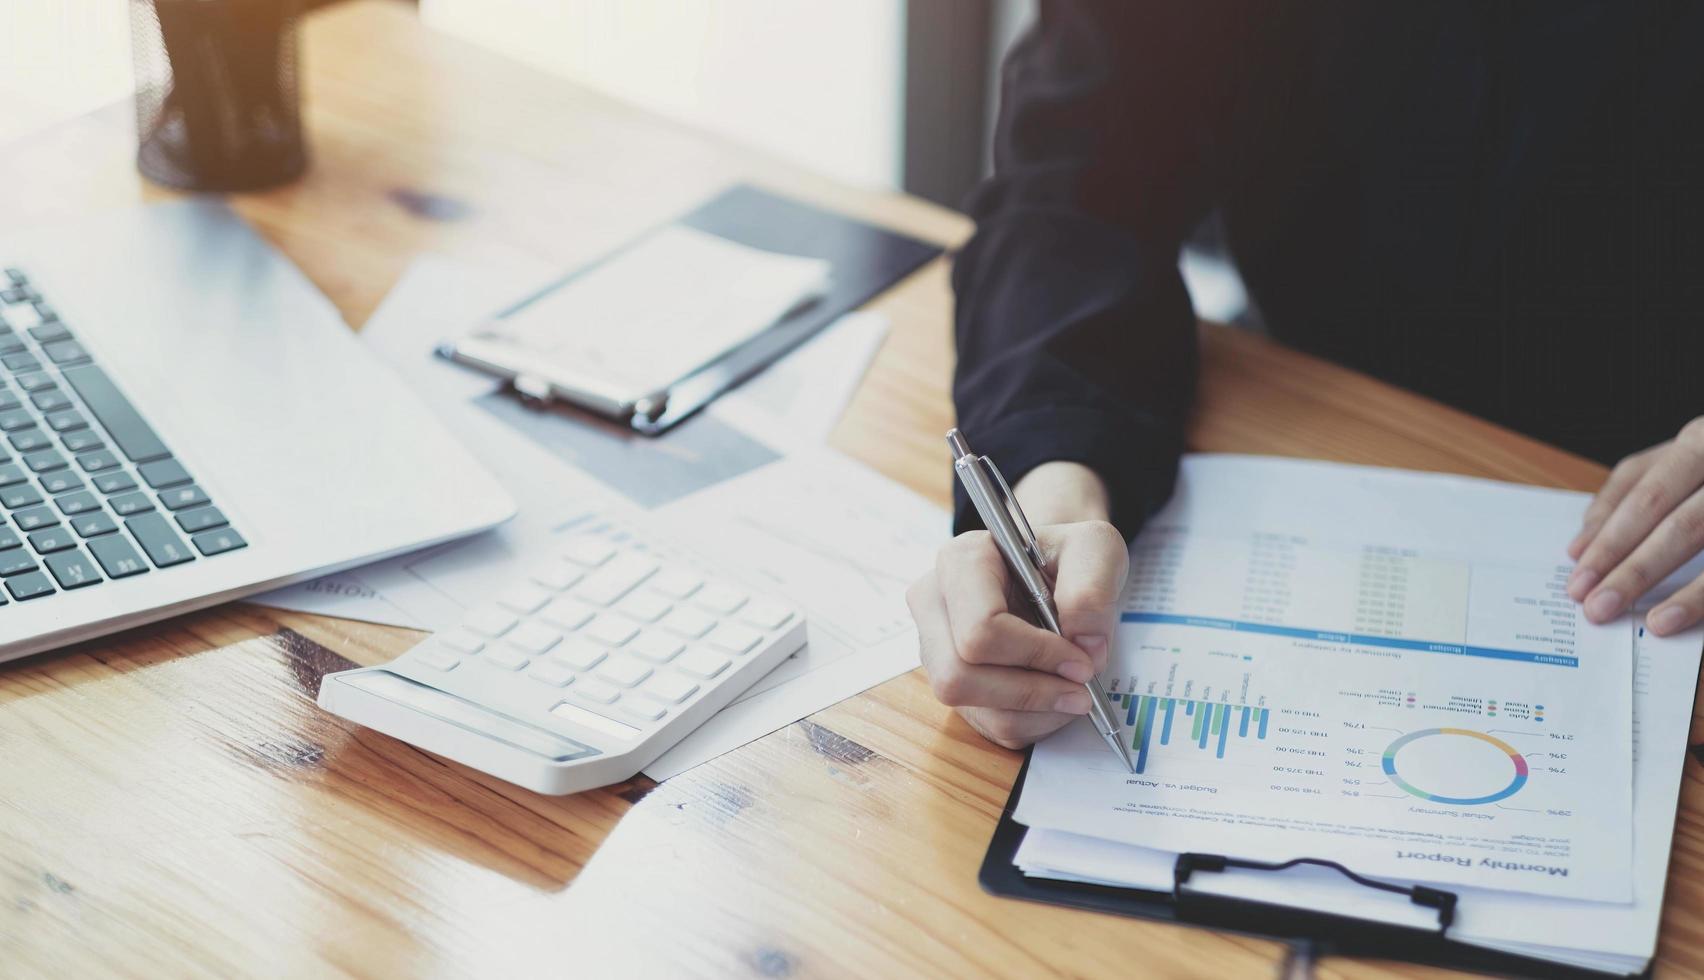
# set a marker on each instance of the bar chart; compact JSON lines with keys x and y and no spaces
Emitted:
{"x":1211,"y":724}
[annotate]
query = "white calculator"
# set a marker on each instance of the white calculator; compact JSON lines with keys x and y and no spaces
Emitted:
{"x":580,"y":674}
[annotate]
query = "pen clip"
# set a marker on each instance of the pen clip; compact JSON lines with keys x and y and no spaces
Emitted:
{"x":1009,"y":501}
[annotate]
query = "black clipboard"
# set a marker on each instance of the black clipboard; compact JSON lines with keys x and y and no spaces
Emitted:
{"x":1322,"y":933}
{"x":864,"y":260}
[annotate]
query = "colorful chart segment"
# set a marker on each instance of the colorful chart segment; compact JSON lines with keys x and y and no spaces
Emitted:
{"x":1209,"y":723}
{"x":1514,"y":786}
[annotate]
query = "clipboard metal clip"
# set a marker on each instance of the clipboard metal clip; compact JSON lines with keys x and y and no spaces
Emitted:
{"x":1422,"y":895}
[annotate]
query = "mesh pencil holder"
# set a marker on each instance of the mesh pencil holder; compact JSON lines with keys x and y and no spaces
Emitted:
{"x":218,"y":106}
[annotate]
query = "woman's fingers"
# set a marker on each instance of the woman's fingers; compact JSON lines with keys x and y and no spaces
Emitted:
{"x":1672,"y":478}
{"x":1679,"y":611}
{"x":1621,"y":479}
{"x":1671,"y":544}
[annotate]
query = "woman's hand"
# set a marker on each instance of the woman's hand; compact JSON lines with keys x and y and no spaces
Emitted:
{"x":1647,"y":521}
{"x":1012,"y":681}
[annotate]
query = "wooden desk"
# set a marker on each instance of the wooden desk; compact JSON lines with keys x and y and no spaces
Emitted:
{"x":173,"y":803}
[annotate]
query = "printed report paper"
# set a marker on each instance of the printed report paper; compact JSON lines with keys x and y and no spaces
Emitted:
{"x":1372,"y":666}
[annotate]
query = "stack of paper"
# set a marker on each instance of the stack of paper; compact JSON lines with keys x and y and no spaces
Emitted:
{"x":1380,"y":669}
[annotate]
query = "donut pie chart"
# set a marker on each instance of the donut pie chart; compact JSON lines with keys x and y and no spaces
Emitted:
{"x":1517,"y":779}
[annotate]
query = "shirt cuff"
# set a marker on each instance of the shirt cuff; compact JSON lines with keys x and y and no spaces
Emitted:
{"x":1138,"y":463}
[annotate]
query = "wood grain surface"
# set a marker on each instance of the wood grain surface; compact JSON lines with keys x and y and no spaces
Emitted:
{"x":173,"y":804}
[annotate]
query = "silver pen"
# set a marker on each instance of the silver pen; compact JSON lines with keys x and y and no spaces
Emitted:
{"x":1013,"y":535}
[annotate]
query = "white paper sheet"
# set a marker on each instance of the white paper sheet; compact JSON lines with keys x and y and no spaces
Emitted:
{"x":856,"y":641}
{"x":1390,"y":676}
{"x":655,"y":311}
{"x":1600,"y":935}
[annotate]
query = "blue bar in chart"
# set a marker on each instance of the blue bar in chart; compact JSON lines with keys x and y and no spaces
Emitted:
{"x":1211,"y":724}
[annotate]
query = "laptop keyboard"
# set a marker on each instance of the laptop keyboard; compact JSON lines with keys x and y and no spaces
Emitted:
{"x":89,"y":491}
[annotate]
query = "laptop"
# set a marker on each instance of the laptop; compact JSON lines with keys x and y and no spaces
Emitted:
{"x":185,"y":420}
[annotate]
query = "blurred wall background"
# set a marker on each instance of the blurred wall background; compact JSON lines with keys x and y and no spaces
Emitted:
{"x":884,"y":93}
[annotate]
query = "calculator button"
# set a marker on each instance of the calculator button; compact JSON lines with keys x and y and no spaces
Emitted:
{"x":702,"y":663}
{"x":579,"y":654}
{"x":525,"y":599}
{"x":766,"y":614}
{"x":720,"y":598}
{"x":676,"y":584}
{"x":642,"y":709}
{"x":589,"y":552}
{"x":552,"y":673}
{"x":689,"y":623}
{"x":10,"y":474}
{"x":35,"y":517}
{"x":506,"y":658}
{"x":490,"y":621}
{"x":557,"y":575}
{"x":611,"y":630}
{"x":533,"y":639}
{"x":22,"y":495}
{"x":670,"y":687}
{"x":656,"y":647}
{"x":437,"y":659}
{"x":624,"y":671}
{"x":566,"y":613}
{"x":733,"y":639}
{"x":615,"y":579}
{"x":644,"y":607}
{"x":592,"y":689}
{"x":463,"y":639}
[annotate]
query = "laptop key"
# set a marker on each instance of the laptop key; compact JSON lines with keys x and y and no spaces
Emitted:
{"x":31,"y":585}
{"x":35,"y":382}
{"x":177,"y":498}
{"x":94,"y":524}
{"x":65,"y":421}
{"x":157,"y":538}
{"x":118,"y":559}
{"x":21,"y":361}
{"x":135,"y":437}
{"x":81,"y":441}
{"x":163,"y":473}
{"x":29,"y":440}
{"x":22,"y":495}
{"x":80,"y":502}
{"x":201,"y":519}
{"x":131,"y":503}
{"x":16,"y":561}
{"x":72,"y":570}
{"x":11,"y":474}
{"x":43,"y":461}
{"x":9,"y":538}
{"x":65,"y":352}
{"x":51,"y":539}
{"x":50,"y":400}
{"x":11,"y":343}
{"x":47,"y":333}
{"x":116,"y":481}
{"x":218,"y":542}
{"x":9,"y":400}
{"x":60,"y":481}
{"x":100,"y":459}
{"x":15,"y":419}
{"x":33,"y":517}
